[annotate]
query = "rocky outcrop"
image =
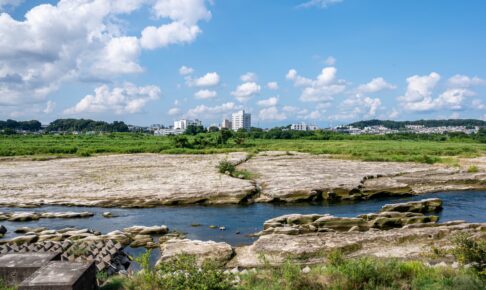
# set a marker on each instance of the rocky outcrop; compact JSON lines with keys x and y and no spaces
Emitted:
{"x":142,"y":230}
{"x":136,"y":236}
{"x":295,"y":224}
{"x":149,"y":180}
{"x":31,"y":216}
{"x":307,"y":238}
{"x":202,"y":250}
{"x":407,"y":242}
{"x":300,"y":177}
{"x":131,"y":180}
{"x":422,"y":206}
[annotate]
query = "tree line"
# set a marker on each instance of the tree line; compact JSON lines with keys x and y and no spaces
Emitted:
{"x":64,"y":125}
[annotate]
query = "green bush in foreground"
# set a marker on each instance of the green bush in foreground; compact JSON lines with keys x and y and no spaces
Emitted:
{"x":338,"y":273}
{"x":3,"y":286}
{"x":470,"y":251}
{"x":182,"y":273}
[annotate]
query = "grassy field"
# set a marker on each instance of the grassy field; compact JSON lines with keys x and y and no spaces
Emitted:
{"x":47,"y":146}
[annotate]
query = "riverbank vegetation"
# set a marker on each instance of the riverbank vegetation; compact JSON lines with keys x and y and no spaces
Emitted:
{"x":338,"y":273}
{"x":403,"y":147}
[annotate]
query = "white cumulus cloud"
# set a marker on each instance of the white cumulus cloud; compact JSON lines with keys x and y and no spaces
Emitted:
{"x":174,"y":111}
{"x":249,"y":77}
{"x":128,"y":99}
{"x":211,"y":111}
{"x":323,"y":88}
{"x":205,"y":94}
{"x":270,"y":102}
{"x":375,"y":85}
{"x":271,"y":114}
{"x":465,"y":81}
{"x":185,"y":70}
{"x":246,"y":90}
{"x":84,"y":40}
{"x":208,"y":80}
{"x":319,"y":3}
{"x":272,"y":85}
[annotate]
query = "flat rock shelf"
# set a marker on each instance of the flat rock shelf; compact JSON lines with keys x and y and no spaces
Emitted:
{"x":149,"y":180}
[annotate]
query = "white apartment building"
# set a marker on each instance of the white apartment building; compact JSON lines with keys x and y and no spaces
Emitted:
{"x":240,"y":120}
{"x":303,"y":127}
{"x":226,"y":124}
{"x":183,"y":124}
{"x":167,"y":132}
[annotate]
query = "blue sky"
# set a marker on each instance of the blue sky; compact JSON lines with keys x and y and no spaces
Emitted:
{"x":324,"y":62}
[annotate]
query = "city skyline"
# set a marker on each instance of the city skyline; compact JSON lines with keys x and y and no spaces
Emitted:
{"x":155,"y":61}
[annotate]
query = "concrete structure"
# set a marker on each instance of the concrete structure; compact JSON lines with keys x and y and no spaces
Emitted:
{"x":62,"y":276}
{"x":226,"y":124}
{"x":241,"y":120}
{"x":14,"y":268}
{"x":167,"y":132}
{"x":303,"y":127}
{"x":183,"y":124}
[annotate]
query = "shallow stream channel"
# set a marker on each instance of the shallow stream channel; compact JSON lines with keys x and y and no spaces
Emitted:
{"x":240,"y":221}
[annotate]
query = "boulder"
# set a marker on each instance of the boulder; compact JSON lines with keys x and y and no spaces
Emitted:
{"x":108,"y":214}
{"x":66,"y":215}
{"x":339,"y":223}
{"x":142,"y":230}
{"x":21,"y":239}
{"x":421,"y":206}
{"x":23,"y":217}
{"x":202,"y":250}
{"x":3,"y":230}
{"x":141,"y":241}
{"x":118,"y":236}
{"x":23,"y":230}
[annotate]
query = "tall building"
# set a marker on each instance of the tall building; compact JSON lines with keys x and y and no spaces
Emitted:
{"x":183,"y":124}
{"x":240,"y":120}
{"x":226,"y":124}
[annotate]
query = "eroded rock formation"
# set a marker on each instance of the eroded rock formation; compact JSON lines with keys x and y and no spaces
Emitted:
{"x":148,"y":180}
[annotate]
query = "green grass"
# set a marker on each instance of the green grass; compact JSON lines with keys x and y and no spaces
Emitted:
{"x":338,"y":273}
{"x":45,"y":146}
{"x":3,"y":286}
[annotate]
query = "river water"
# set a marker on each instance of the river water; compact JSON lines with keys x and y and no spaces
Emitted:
{"x":242,"y":220}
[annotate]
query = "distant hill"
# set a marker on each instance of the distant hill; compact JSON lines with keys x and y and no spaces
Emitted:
{"x":427,"y":123}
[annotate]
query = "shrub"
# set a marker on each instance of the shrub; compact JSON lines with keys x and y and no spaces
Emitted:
{"x":182,"y":273}
{"x":83,"y":153}
{"x":180,"y":141}
{"x":225,"y":166}
{"x":473,"y":169}
{"x":469,"y":251}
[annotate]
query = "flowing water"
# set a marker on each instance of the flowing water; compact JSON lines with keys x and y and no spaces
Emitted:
{"x":242,"y":220}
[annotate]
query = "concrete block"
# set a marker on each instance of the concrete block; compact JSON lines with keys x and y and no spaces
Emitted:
{"x":14,"y":268}
{"x":62,"y":276}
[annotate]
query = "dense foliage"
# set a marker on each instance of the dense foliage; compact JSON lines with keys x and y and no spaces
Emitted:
{"x":183,"y":273}
{"x":427,"y":123}
{"x":82,"y":125}
{"x":338,"y":273}
{"x":31,"y":126}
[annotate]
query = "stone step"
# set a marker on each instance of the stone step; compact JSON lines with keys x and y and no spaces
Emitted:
{"x":62,"y":275}
{"x":14,"y":268}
